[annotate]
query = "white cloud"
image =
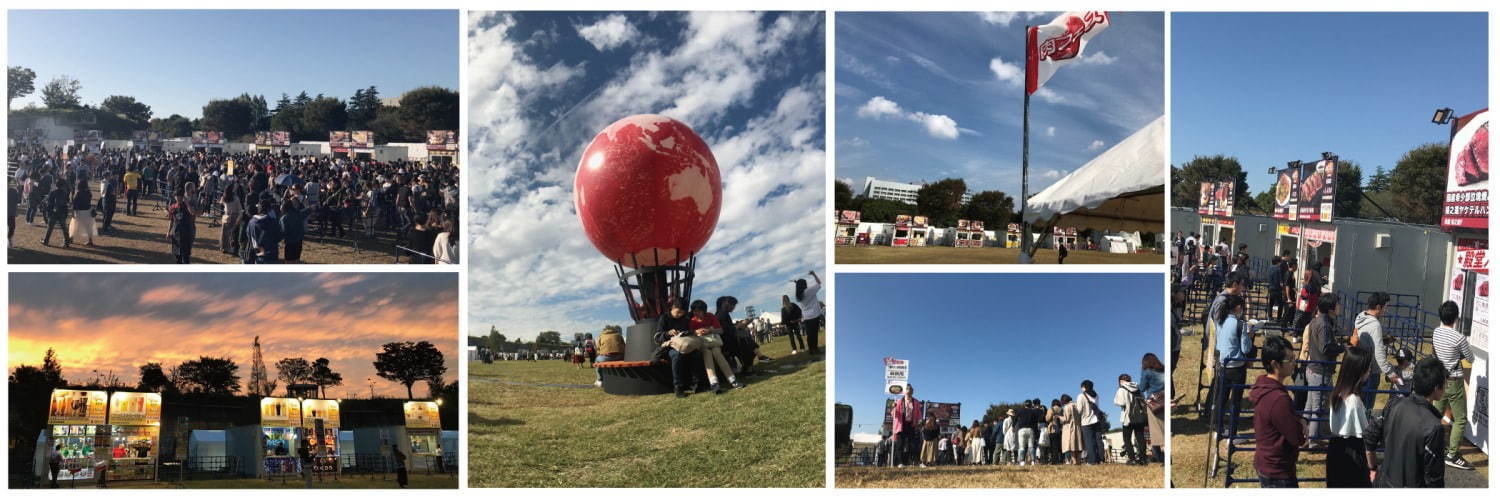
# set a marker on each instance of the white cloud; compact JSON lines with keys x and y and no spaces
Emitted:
{"x":1050,"y":96}
{"x":533,"y":268}
{"x":1098,"y":58}
{"x":939,"y":126}
{"x":857,"y":142}
{"x":864,"y":437}
{"x":1052,"y":174}
{"x":608,"y":33}
{"x":1004,"y":19}
{"x":1051,"y":131}
{"x":1094,"y":146}
{"x":1009,"y":73}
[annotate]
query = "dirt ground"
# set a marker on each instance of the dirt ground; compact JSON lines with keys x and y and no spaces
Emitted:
{"x":141,"y":239}
{"x":1001,"y":476}
{"x":869,"y":254}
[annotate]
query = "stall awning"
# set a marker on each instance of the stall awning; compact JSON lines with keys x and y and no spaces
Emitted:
{"x":1119,"y":190}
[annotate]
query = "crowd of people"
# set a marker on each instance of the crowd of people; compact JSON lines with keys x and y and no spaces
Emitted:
{"x":264,"y":204}
{"x":1070,"y":430}
{"x":1336,"y":370}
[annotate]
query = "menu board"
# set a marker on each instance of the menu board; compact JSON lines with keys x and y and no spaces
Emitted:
{"x":919,"y":221}
{"x":442,"y":140}
{"x":135,"y":408}
{"x":280,"y":412}
{"x":421,"y":415}
{"x":262,"y":138}
{"x":897,"y":372}
{"x":1466,"y":201}
{"x":903,"y":220}
{"x":1216,"y":198}
{"x":946,"y":415}
{"x":338,"y":138}
{"x":848,"y":217}
{"x":326,"y":410}
{"x":362,"y":139}
{"x":74,"y":407}
{"x":280,"y":138}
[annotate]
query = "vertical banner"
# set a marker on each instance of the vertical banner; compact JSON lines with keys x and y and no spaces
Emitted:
{"x":897,"y":372}
{"x":1466,"y":201}
{"x":1053,"y":45}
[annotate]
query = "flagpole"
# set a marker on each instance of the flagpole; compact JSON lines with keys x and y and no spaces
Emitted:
{"x":1025,"y":154}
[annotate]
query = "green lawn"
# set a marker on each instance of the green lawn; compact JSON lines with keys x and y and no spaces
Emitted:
{"x":418,"y":481}
{"x":1189,"y":447}
{"x":769,"y":434}
{"x":1001,"y":476}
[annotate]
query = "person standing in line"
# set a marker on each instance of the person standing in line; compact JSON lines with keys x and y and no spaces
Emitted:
{"x":400,"y":459}
{"x":293,"y":228}
{"x":1154,"y":390}
{"x":233,"y":205}
{"x":905,"y":416}
{"x":1320,"y":347}
{"x":1072,"y":431}
{"x":1275,"y":295}
{"x":791,"y":320}
{"x":812,"y":310}
{"x":182,"y":229}
{"x":930,"y":437}
{"x":1372,"y":337}
{"x":1279,"y":432}
{"x":1132,"y":419}
{"x":1005,"y":454}
{"x":1054,"y":432}
{"x":1452,"y":349}
{"x":1307,"y":300}
{"x":1026,"y":434}
{"x":1088,"y":420}
{"x":108,"y":202}
{"x":1234,"y":345}
{"x":1410,"y":431}
{"x":1349,"y":416}
{"x":132,"y":181}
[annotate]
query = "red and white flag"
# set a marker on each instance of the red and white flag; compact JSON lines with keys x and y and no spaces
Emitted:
{"x":1059,"y":42}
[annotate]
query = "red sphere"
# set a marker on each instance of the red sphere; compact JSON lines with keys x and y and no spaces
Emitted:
{"x":647,"y":191}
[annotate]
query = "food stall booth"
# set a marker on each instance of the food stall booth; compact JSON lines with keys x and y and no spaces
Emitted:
{"x":135,"y":435}
{"x":970,"y":234}
{"x":423,"y":434}
{"x":846,"y":227}
{"x":1466,"y":211}
{"x":320,"y":425}
{"x":280,"y":423}
{"x":901,"y":233}
{"x":76,"y":426}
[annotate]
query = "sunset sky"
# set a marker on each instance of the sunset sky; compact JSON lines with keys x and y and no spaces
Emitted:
{"x":119,"y":321}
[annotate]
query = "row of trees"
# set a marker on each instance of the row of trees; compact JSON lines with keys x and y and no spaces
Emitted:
{"x":498,"y":342}
{"x":306,"y":117}
{"x":1420,"y":176}
{"x":941,"y":202}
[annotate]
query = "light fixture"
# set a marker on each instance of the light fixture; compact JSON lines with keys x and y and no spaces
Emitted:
{"x":440,"y":401}
{"x":1294,"y":164}
{"x":1442,"y":115}
{"x":1271,"y":170}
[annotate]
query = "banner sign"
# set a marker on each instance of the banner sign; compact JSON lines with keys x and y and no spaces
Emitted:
{"x":364,"y":139}
{"x":946,"y":415}
{"x":421,"y":415}
{"x":1216,"y":199}
{"x":280,"y":138}
{"x":442,"y":140}
{"x":135,"y":408}
{"x":326,"y":410}
{"x":207,"y":137}
{"x":1306,"y":192}
{"x":1466,"y":201}
{"x":262,"y":138}
{"x":919,"y":221}
{"x":280,"y":412}
{"x":903,"y":220}
{"x":74,"y":407}
{"x":848,"y":217}
{"x":1050,"y":46}
{"x":896,"y":373}
{"x":338,"y":138}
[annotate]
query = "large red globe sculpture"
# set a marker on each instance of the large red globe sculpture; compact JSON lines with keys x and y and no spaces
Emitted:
{"x":647,"y":191}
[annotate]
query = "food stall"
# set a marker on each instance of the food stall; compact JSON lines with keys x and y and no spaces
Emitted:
{"x":280,"y":419}
{"x":846,"y":227}
{"x":423,"y":433}
{"x":1065,"y":236}
{"x":76,"y":422}
{"x":1012,"y":235}
{"x":135,"y":435}
{"x":901,"y":234}
{"x":918,"y":231}
{"x":970,"y":234}
{"x":1466,"y":212}
{"x":320,"y":425}
{"x":1216,"y":208}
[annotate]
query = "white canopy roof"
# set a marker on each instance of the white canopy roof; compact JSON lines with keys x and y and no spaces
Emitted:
{"x":1120,"y":190}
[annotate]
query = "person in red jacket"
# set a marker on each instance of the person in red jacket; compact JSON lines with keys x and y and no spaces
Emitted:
{"x":1279,"y":431}
{"x":905,"y":415}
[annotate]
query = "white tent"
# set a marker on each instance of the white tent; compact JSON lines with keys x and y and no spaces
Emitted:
{"x":1119,"y":190}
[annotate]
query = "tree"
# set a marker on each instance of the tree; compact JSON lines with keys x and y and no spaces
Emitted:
{"x":880,"y":210}
{"x":941,"y":201}
{"x":750,"y":312}
{"x":233,"y":117}
{"x":20,"y":82}
{"x":435,"y":387}
{"x":363,"y":108}
{"x":293,"y":371}
{"x":209,"y":375}
{"x":62,"y":93}
{"x":992,"y":207}
{"x":154,"y":379}
{"x":1348,"y":192}
{"x":1217,"y":168}
{"x":1266,"y":201}
{"x":128,"y":107}
{"x":1421,"y":178}
{"x":409,"y":362}
{"x":1379,"y":182}
{"x":549,"y":337}
{"x":843,"y":196}
{"x":428,"y":108}
{"x":172,"y":126}
{"x":324,"y":376}
{"x":321,"y":115}
{"x":996,"y":412}
{"x":388,"y":127}
{"x":52,"y":369}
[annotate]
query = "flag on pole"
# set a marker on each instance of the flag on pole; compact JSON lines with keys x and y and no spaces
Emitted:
{"x":1059,"y":42}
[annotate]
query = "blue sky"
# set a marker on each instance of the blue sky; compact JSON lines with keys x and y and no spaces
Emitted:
{"x":968,"y":68}
{"x":978,"y":339}
{"x":177,"y":60}
{"x":542,"y":84}
{"x":1269,"y":88}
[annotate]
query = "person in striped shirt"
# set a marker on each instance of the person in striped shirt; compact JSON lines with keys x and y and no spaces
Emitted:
{"x":1452,"y":349}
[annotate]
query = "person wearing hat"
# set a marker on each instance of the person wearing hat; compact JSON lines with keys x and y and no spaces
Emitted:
{"x":1402,"y":372}
{"x":611,"y":347}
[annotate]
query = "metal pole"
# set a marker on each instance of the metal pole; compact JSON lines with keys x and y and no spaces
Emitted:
{"x":1025,"y":157}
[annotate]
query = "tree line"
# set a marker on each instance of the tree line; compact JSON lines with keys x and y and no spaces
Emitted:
{"x":498,"y":342}
{"x":941,"y":202}
{"x":1420,"y":178}
{"x":306,"y":117}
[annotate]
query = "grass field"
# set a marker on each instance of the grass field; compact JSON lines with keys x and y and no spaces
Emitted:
{"x":870,"y":254}
{"x":417,"y":481}
{"x":1190,"y":435}
{"x":522,"y":434}
{"x":1001,"y":476}
{"x":141,"y":239}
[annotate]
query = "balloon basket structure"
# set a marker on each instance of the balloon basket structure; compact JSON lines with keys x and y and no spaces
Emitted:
{"x":636,"y":378}
{"x":649,"y":290}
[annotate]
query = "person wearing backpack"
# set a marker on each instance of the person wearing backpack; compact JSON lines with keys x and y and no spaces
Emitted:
{"x":1320,"y":347}
{"x":1132,"y":419}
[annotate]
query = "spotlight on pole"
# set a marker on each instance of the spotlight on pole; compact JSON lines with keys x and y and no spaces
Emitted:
{"x":1442,"y":115}
{"x":1327,"y":155}
{"x":1271,"y":170}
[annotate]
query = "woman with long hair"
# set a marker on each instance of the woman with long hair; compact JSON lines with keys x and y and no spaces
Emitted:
{"x":1088,"y":420}
{"x":930,"y":437}
{"x":1072,"y":431}
{"x":1347,"y":467}
{"x":1153,"y":389}
{"x":83,"y":214}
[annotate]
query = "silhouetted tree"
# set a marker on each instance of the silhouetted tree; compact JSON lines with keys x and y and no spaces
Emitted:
{"x":409,"y":362}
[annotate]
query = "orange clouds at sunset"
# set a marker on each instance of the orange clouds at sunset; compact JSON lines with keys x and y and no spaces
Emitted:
{"x":115,"y":322}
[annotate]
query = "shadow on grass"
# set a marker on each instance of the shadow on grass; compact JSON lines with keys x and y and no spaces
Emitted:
{"x":475,"y":419}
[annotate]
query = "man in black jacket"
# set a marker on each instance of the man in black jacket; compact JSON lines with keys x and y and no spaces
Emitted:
{"x":687,"y":368}
{"x":1411,"y":431}
{"x":57,"y":214}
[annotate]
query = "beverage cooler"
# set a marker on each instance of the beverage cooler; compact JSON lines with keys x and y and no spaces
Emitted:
{"x":134,"y":435}
{"x":280,"y":424}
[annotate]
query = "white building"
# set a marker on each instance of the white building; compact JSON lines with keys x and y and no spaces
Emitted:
{"x":899,"y":191}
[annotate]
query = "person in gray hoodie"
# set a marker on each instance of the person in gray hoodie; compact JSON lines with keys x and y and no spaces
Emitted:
{"x":1372,"y":337}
